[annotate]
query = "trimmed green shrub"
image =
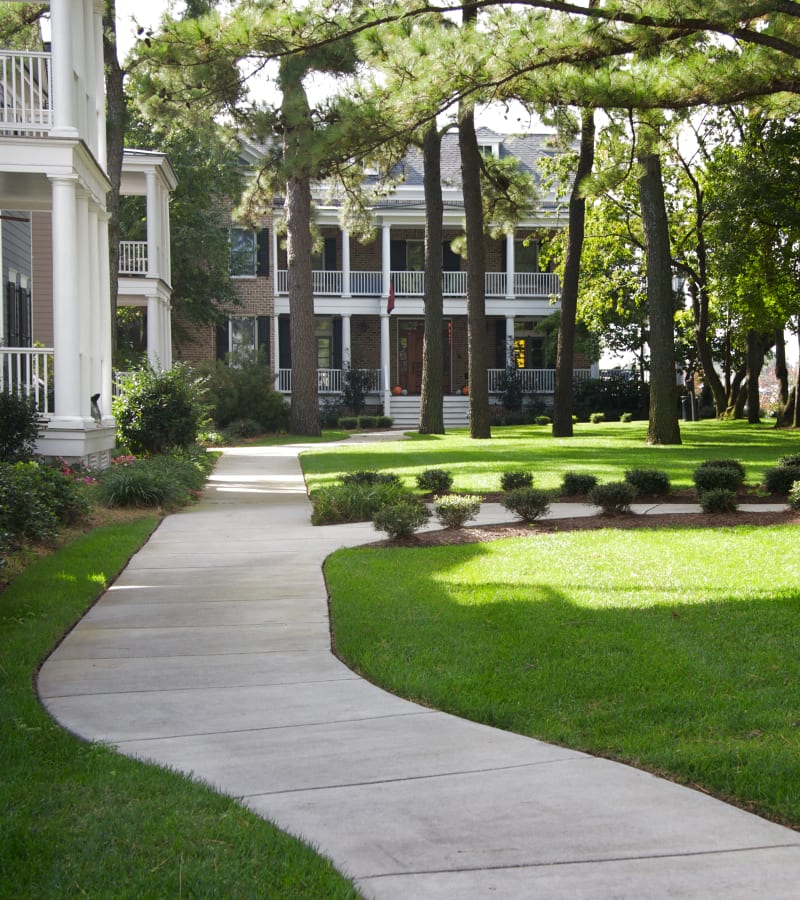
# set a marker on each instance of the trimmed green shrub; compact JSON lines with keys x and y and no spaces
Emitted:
{"x":712,"y":478}
{"x":626,"y":417}
{"x":367,"y":476}
{"x":244,"y":389}
{"x":542,"y":420}
{"x":528,"y":503}
{"x":511,"y":481}
{"x":340,"y":503}
{"x":242,"y":428}
{"x":453,"y":510}
{"x":718,"y":500}
{"x":791,"y":460}
{"x":367,"y":421}
{"x":435,"y":481}
{"x":576,"y":484}
{"x":400,"y":520}
{"x":330,"y":411}
{"x":385,"y":421}
{"x":20,"y":426}
{"x":780,"y":479}
{"x":355,"y":386}
{"x":648,"y":482}
{"x":725,"y":464}
{"x":614,"y":497}
{"x":597,"y":417}
{"x":159,"y":411}
{"x":349,"y":423}
{"x":794,"y":495}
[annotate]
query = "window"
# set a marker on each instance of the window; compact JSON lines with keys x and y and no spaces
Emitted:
{"x":243,"y":252}
{"x":324,"y":334}
{"x":243,"y":334}
{"x":526,"y":256}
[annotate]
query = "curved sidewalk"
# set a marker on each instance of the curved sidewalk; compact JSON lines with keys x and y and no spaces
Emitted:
{"x":211,"y":654}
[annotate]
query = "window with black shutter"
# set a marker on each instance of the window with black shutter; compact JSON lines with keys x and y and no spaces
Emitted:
{"x":262,"y":252}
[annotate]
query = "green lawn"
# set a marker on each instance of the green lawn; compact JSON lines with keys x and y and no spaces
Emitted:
{"x":677,"y":650}
{"x":80,"y":820}
{"x":604,"y":450}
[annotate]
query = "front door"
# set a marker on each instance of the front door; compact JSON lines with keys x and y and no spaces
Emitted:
{"x":411,"y":343}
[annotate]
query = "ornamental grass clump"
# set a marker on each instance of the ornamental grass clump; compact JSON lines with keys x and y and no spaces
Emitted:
{"x":454,"y":510}
{"x":648,"y":482}
{"x":355,"y":502}
{"x":577,"y":484}
{"x":368,"y":477}
{"x":512,"y":481}
{"x":435,"y":481}
{"x":614,"y":497}
{"x":719,"y":500}
{"x":527,"y":502}
{"x":401,"y":520}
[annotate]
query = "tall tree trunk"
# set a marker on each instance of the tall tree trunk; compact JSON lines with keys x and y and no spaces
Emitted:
{"x":116,"y":116}
{"x":781,"y":369}
{"x":663,"y":427}
{"x":755,"y":360}
{"x":565,"y":351}
{"x":699,"y":297}
{"x":431,"y":414}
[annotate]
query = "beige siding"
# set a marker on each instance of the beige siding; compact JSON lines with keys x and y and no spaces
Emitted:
{"x":42,"y":278}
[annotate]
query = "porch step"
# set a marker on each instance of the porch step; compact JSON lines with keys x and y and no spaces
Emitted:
{"x":405,"y":412}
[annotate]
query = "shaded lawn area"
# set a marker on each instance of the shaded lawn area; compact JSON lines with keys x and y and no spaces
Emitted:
{"x":676,"y":649}
{"x":604,"y":450}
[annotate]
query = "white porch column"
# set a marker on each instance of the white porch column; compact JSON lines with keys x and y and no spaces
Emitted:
{"x":510,"y":266}
{"x":154,"y":324}
{"x":385,"y":363}
{"x":386,"y":258}
{"x":95,"y":383}
{"x":104,"y":317}
{"x":509,"y":337}
{"x":99,"y":81}
{"x":64,"y":118}
{"x":166,"y":331}
{"x":66,"y":321}
{"x":276,"y":347}
{"x":347,"y":356}
{"x":83,"y":310}
{"x":274,"y":269}
{"x":346,"y":287}
{"x":154,"y":229}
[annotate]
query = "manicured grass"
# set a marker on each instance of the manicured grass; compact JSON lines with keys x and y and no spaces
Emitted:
{"x":677,"y":650}
{"x":78,"y":819}
{"x":277,"y":440}
{"x":604,"y":450}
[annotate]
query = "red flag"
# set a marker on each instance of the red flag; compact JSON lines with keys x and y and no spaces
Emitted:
{"x":390,"y":304}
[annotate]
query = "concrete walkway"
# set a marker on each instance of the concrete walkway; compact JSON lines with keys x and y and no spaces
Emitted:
{"x":211,"y":654}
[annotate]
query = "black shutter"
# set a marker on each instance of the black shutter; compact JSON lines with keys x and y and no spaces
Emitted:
{"x":24,"y":316}
{"x":397,"y":256}
{"x":500,"y":344}
{"x":329,"y":255}
{"x":262,"y":252}
{"x":337,"y":344}
{"x":451,"y":261}
{"x":263,"y":336}
{"x":285,"y":341}
{"x":223,"y":343}
{"x":12,"y":325}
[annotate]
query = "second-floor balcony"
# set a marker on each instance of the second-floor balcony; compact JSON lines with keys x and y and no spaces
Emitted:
{"x":133,"y":258}
{"x":412,"y":284}
{"x":25,"y":98}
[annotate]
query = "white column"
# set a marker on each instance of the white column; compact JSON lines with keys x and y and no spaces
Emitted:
{"x":104,"y":315}
{"x":385,"y":363}
{"x":66,"y":323}
{"x":347,"y":356}
{"x":509,"y":337}
{"x":83,"y":309}
{"x":386,"y":258}
{"x":64,"y":119}
{"x":166,"y":312}
{"x":165,"y":235}
{"x":95,"y":383}
{"x":100,"y":82}
{"x":154,"y":333}
{"x":153,"y":225}
{"x":274,"y":268}
{"x":346,"y":286}
{"x":276,"y":344}
{"x":510,"y":266}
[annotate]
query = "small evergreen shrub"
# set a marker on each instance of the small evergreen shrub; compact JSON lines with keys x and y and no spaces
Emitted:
{"x":453,"y":510}
{"x":242,"y":428}
{"x":527,"y":502}
{"x":20,"y":426}
{"x":626,"y":417}
{"x":576,"y":484}
{"x":794,"y":495}
{"x":330,"y":411}
{"x":367,"y":476}
{"x":355,"y":387}
{"x":159,"y":411}
{"x":542,"y":420}
{"x":791,"y":460}
{"x":244,"y":388}
{"x":725,"y":464}
{"x":718,"y":500}
{"x":780,"y":479}
{"x":648,"y":482}
{"x":511,"y":481}
{"x":400,"y":520}
{"x":349,"y":423}
{"x":435,"y":481}
{"x":712,"y":478}
{"x":341,"y":503}
{"x":614,"y":497}
{"x":596,"y":417}
{"x":385,"y":421}
{"x":367,"y":421}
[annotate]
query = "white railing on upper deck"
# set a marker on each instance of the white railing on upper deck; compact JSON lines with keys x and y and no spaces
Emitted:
{"x":28,"y":371}
{"x":25,"y":101}
{"x":329,"y":381}
{"x":533,"y":381}
{"x":133,"y":257}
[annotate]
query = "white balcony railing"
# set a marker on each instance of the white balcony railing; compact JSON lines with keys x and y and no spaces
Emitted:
{"x":329,"y":381}
{"x":533,"y":381}
{"x":412,"y":284}
{"x":28,"y":371}
{"x":25,"y":102}
{"x":133,"y":258}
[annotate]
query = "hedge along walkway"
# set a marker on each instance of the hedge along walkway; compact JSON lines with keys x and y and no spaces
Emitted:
{"x":211,"y":654}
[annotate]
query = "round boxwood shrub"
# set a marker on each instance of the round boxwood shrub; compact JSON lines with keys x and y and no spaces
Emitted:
{"x":626,"y":417}
{"x":576,"y":484}
{"x":454,"y":510}
{"x":528,"y":503}
{"x":648,"y":482}
{"x":542,"y":420}
{"x":597,"y":417}
{"x":435,"y":481}
{"x":614,"y":497}
{"x":725,"y":464}
{"x":400,"y":520}
{"x":712,"y":478}
{"x":20,"y":426}
{"x":368,"y":476}
{"x":718,"y":500}
{"x":794,"y":495}
{"x":780,"y":479}
{"x":512,"y":481}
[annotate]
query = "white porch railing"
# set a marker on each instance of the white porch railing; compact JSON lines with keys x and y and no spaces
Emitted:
{"x":133,"y":257}
{"x":329,"y":381}
{"x":28,"y":371}
{"x":25,"y":101}
{"x":412,"y":284}
{"x":533,"y":381}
